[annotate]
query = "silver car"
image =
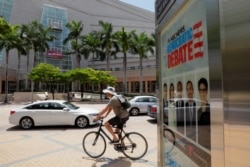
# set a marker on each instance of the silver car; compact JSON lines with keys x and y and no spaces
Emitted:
{"x":139,"y":104}
{"x":52,"y":112}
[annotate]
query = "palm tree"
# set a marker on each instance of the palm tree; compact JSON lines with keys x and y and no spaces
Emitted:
{"x":142,"y":44}
{"x":41,"y":37}
{"x":4,"y":26}
{"x":75,"y":30}
{"x":91,"y":44}
{"x":8,"y":42}
{"x":108,"y":42}
{"x":41,"y":44}
{"x":124,"y":39}
{"x":35,"y":37}
{"x":20,"y":46}
{"x":27,"y":36}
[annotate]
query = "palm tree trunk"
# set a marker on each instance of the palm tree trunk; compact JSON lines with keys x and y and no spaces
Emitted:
{"x":18,"y":72}
{"x":108,"y":59}
{"x":28,"y":63}
{"x":108,"y":68}
{"x":125,"y":72}
{"x":6,"y":77}
{"x":93,"y":57}
{"x":141,"y":85}
{"x":78,"y":60}
{"x":78,"y":84}
{"x":34,"y":60}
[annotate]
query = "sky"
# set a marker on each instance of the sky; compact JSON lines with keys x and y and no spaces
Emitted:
{"x":145,"y":4}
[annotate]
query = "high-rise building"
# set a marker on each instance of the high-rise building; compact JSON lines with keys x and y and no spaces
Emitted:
{"x":56,"y":13}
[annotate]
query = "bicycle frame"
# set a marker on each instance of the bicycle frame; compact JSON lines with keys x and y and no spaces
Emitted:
{"x":100,"y":130}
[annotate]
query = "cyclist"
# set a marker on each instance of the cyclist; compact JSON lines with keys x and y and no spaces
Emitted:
{"x":121,"y":115}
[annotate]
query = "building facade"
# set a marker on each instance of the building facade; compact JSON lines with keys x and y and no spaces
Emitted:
{"x":56,"y":13}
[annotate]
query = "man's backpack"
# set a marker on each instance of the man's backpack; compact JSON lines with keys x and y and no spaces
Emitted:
{"x":124,"y":101}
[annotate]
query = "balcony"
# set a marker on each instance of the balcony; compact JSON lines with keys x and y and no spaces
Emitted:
{"x":55,"y":26}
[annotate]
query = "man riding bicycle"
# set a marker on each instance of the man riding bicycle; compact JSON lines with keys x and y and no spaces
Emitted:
{"x":121,"y":115}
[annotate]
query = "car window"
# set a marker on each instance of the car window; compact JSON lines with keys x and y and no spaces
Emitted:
{"x":70,"y":105}
{"x":139,"y":100}
{"x":152,"y":100}
{"x":39,"y":106}
{"x":56,"y":106}
{"x":143,"y":99}
{"x":133,"y":98}
{"x":146,"y":99}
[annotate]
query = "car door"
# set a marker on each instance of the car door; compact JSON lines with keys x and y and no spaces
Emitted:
{"x":40,"y":113}
{"x":58,"y":115}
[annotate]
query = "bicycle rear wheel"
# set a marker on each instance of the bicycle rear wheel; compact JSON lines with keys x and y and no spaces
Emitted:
{"x":169,"y":140}
{"x":94,"y":145}
{"x":134,"y":145}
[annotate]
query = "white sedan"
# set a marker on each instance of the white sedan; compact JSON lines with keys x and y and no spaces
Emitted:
{"x":52,"y":112}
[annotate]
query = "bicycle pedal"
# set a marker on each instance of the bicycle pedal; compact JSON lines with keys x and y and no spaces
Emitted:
{"x":118,"y":147}
{"x":124,"y":148}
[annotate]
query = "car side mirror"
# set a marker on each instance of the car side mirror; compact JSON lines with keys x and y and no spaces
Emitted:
{"x":65,"y":109}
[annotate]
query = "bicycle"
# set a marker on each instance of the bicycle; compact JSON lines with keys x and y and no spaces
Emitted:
{"x":132,"y":144}
{"x":169,"y":137}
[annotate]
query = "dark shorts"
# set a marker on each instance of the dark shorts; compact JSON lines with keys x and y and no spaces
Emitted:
{"x":118,"y":122}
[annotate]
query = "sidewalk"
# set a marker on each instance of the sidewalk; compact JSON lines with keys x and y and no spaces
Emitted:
{"x":61,"y":146}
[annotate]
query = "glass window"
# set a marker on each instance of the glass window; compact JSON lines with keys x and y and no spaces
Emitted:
{"x":152,"y":99}
{"x":70,"y":105}
{"x":39,"y":106}
{"x":57,"y":17}
{"x":56,"y":106}
{"x":146,"y":99}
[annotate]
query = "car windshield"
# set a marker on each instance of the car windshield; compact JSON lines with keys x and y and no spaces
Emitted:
{"x":133,"y":98}
{"x":70,"y":105}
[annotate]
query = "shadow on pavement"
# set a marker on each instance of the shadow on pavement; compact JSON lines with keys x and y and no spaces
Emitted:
{"x":108,"y":162}
{"x":39,"y":128}
{"x":152,"y":121}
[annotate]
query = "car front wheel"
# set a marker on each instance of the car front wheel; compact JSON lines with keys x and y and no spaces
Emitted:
{"x":134,"y":111}
{"x":82,"y":122}
{"x":26,"y":123}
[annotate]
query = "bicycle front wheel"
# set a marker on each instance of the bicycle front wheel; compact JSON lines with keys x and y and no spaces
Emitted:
{"x":94,"y":145}
{"x":134,"y":145}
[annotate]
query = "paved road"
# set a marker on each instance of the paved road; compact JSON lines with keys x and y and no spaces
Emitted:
{"x":61,"y":146}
